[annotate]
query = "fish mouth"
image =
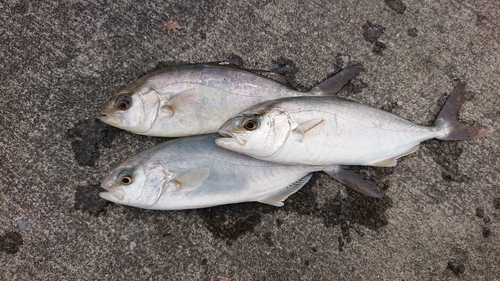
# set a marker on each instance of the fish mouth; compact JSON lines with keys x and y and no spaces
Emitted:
{"x":230,"y":140}
{"x":225,"y":133}
{"x":107,"y":119}
{"x":110,"y":197}
{"x":112,"y":194}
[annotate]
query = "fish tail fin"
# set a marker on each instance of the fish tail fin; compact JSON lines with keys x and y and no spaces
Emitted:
{"x":355,"y":181}
{"x":334,"y":84}
{"x":448,"y":122}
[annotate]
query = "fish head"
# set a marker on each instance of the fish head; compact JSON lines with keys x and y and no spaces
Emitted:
{"x":258,"y":132}
{"x":139,"y":185}
{"x":134,"y":109}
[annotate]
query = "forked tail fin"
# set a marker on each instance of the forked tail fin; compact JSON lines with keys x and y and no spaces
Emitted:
{"x":448,"y":122}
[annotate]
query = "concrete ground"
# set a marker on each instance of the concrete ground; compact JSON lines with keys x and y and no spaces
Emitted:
{"x":61,"y":60}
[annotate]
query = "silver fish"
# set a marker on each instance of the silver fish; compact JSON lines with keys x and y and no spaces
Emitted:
{"x":193,"y":172}
{"x":327,"y":131}
{"x":196,"y":99}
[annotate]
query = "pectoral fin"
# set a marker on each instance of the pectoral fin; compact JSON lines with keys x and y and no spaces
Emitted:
{"x":167,"y":110}
{"x":310,"y":128}
{"x":278,"y":198}
{"x":393,"y":161}
{"x":355,"y":180}
{"x":191,"y":180}
{"x":181,"y":103}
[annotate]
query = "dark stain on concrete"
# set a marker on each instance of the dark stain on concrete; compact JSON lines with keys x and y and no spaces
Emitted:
{"x":378,"y":48}
{"x":481,"y":19}
{"x":355,"y":209}
{"x":345,"y":212}
{"x":372,"y":32}
{"x":446,"y":155}
{"x":396,"y":5}
{"x":231,"y":221}
{"x":341,"y":244}
{"x":303,"y":201}
{"x":86,"y":137}
{"x":486,"y":231}
{"x":353,"y":87}
{"x":496,"y":203}
{"x":87,"y":200}
{"x":480,"y":212}
{"x":456,"y":267}
{"x":268,"y":239}
{"x":10,"y":242}
{"x":412,"y":32}
{"x":377,"y":174}
{"x":389,"y":106}
{"x":287,"y":68}
{"x":235,"y":59}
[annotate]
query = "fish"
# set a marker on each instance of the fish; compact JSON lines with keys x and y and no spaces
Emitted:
{"x":193,"y":172}
{"x":332,"y":131}
{"x":196,"y":99}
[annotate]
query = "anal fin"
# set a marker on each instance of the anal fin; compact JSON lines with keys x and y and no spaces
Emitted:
{"x":278,"y":198}
{"x":393,"y":161}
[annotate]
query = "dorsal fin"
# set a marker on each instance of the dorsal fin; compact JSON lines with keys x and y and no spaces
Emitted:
{"x":224,"y":64}
{"x":278,"y":198}
{"x":271,"y":75}
{"x":265,"y":73}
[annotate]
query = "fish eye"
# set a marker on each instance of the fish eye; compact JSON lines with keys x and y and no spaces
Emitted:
{"x":123,"y":102}
{"x":126,"y":179}
{"x":251,"y":124}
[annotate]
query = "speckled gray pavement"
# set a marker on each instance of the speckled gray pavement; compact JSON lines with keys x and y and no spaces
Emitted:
{"x":61,"y":60}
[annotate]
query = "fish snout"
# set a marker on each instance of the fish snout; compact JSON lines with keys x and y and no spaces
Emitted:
{"x":113,"y":193}
{"x":229,"y":139}
{"x":225,"y":133}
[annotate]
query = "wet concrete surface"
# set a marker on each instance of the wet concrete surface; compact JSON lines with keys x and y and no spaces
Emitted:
{"x":60,"y":61}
